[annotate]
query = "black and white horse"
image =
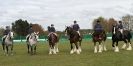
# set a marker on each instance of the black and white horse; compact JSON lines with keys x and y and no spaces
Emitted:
{"x":7,"y":41}
{"x":117,"y":36}
{"x":32,"y":42}
{"x":75,"y":39}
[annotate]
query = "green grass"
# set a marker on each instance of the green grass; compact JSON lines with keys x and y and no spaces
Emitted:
{"x":63,"y":58}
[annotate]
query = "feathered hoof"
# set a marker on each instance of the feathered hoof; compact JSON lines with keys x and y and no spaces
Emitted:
{"x":116,"y":51}
{"x":78,"y":52}
{"x":129,"y":49}
{"x":71,"y":52}
{"x":100,"y":51}
{"x":50,"y":53}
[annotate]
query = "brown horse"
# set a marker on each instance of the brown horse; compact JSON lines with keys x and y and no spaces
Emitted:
{"x":53,"y":40}
{"x":99,"y":37}
{"x":74,"y":39}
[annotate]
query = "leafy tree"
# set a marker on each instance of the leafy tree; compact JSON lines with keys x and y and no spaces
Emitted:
{"x":111,"y":22}
{"x":20,"y":27}
{"x":1,"y":31}
{"x":38,"y":28}
{"x":128,"y":22}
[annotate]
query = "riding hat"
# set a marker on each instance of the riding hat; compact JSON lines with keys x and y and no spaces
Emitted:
{"x":75,"y":21}
{"x":98,"y":21}
{"x":120,"y":21}
{"x":52,"y":24}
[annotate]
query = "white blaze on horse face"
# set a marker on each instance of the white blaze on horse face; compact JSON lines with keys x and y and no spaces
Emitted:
{"x":33,"y":39}
{"x":11,"y":34}
{"x":66,"y":32}
{"x":114,"y":30}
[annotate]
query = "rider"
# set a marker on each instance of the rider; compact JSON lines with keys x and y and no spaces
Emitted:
{"x":98,"y":29}
{"x":121,"y":28}
{"x":51,"y":30}
{"x":30,"y":31}
{"x":6,"y":32}
{"x":76,"y":27}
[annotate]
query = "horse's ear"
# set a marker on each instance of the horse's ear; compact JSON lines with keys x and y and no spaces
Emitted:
{"x":37,"y":33}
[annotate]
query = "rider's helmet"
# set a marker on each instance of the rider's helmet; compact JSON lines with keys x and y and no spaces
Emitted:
{"x":8,"y":27}
{"x":120,"y":22}
{"x":98,"y":21}
{"x":52,"y":24}
{"x":75,"y":21}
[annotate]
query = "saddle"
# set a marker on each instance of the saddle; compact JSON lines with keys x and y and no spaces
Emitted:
{"x":53,"y":34}
{"x":97,"y":35}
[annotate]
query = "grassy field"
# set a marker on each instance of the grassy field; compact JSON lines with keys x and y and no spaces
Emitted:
{"x":63,"y":58}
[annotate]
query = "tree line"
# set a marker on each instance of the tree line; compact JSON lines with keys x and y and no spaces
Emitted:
{"x":20,"y":26}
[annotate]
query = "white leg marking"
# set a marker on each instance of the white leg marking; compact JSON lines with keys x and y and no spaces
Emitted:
{"x":129,"y":47}
{"x":124,"y":46}
{"x":95,"y":49}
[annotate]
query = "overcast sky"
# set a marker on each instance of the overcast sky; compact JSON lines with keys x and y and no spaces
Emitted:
{"x":62,"y":12}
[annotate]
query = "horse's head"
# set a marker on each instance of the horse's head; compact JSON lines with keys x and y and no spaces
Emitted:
{"x":114,"y":29}
{"x":9,"y":38}
{"x":34,"y":35}
{"x":68,"y":30}
{"x":11,"y":34}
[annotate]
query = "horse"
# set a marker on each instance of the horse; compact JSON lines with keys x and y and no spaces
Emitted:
{"x":99,"y":37}
{"x":74,"y":38}
{"x":53,"y":46}
{"x":7,"y":42}
{"x":32,"y":40}
{"x":117,"y":36}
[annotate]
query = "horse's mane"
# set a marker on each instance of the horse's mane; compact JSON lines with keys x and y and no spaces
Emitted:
{"x":72,"y":32}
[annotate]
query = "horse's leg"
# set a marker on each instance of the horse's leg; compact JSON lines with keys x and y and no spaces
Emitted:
{"x":125,"y":44}
{"x":28,"y":48}
{"x":3,"y":45}
{"x":113,"y":44}
{"x":7,"y":50}
{"x":57,"y":50}
{"x":50,"y":49}
{"x":77,"y":48}
{"x":129,"y":45}
{"x":35,"y":49}
{"x":104,"y":46}
{"x":117,"y":48}
{"x":80,"y":46}
{"x":71,"y":52}
{"x":12,"y":49}
{"x":100,"y":47}
{"x":32,"y":50}
{"x":95,"y":47}
{"x":53,"y":48}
